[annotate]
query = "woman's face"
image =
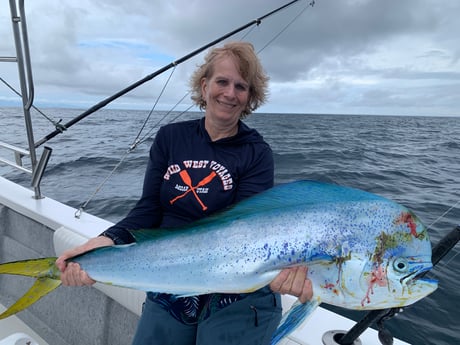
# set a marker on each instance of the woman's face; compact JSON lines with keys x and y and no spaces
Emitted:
{"x":226,"y":92}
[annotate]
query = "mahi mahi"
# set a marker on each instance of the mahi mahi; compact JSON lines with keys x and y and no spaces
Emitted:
{"x":363,"y":252}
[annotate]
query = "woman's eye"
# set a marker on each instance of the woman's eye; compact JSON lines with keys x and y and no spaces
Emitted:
{"x":241,"y":87}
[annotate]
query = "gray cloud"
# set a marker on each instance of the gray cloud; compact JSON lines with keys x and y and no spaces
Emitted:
{"x":338,"y":56}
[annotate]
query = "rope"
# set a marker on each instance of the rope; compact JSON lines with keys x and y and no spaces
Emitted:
{"x":311,"y":4}
{"x":83,"y":206}
{"x":154,"y":105}
{"x":157,"y":124}
{"x":56,"y":124}
{"x":444,"y":214}
{"x":444,"y":265}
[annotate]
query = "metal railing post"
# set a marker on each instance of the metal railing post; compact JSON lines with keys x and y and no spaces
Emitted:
{"x":23,"y":61}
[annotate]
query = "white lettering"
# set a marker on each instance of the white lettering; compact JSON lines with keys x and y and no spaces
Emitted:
{"x":224,"y":175}
{"x":181,"y":188}
{"x":172,"y":169}
{"x":201,"y":164}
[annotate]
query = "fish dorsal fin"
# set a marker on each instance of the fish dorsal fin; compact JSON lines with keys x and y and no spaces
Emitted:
{"x":299,"y":193}
{"x":293,"y":318}
{"x":305,"y":193}
{"x":142,"y":235}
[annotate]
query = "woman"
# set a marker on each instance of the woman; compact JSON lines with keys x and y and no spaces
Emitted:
{"x":195,"y":169}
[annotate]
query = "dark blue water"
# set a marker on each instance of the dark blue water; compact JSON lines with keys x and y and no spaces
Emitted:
{"x":412,"y":160}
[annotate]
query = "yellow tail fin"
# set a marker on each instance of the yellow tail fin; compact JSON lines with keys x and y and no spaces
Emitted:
{"x":48,"y":279}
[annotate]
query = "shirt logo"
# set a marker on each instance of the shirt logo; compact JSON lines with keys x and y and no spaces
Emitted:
{"x":188,"y":181}
{"x":190,"y":186}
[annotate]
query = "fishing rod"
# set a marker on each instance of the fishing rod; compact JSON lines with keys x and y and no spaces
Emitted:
{"x":138,"y":83}
{"x":439,"y":251}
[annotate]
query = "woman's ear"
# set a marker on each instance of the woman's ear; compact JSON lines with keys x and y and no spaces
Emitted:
{"x":204,"y":87}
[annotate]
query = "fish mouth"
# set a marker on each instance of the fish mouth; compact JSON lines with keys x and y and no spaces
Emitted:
{"x":417,"y":279}
{"x":416,"y":274}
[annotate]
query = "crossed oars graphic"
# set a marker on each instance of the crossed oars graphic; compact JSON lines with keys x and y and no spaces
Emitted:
{"x":188,"y":181}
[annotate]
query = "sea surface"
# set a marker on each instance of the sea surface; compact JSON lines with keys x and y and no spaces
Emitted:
{"x":412,"y":160}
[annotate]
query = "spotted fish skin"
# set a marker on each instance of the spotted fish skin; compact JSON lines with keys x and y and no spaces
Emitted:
{"x":362,"y":250}
{"x":351,"y":240}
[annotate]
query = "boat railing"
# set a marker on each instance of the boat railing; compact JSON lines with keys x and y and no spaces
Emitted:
{"x":18,"y":153}
{"x":23,"y":61}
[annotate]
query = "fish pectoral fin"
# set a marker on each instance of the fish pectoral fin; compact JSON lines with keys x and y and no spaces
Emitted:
{"x":41,"y":287}
{"x":293,"y":318}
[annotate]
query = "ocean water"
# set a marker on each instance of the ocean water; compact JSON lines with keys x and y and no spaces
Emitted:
{"x":412,"y":160}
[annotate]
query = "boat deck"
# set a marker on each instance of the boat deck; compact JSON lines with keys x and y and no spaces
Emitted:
{"x":13,"y":331}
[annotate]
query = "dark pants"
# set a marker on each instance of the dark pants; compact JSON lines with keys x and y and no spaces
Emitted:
{"x":249,"y":321}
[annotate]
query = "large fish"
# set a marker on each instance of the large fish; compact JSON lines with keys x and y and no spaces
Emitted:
{"x":363,"y":252}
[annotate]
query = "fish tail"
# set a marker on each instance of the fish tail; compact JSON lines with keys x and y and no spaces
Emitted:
{"x":48,"y":279}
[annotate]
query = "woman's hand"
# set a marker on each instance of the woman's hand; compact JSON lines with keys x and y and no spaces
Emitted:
{"x":71,"y":273}
{"x":293,"y":281}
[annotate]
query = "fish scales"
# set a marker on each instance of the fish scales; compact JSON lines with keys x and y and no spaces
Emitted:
{"x":245,"y":247}
{"x":363,"y":252}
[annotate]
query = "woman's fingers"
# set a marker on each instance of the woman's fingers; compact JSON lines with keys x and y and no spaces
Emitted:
{"x":71,"y":272}
{"x":293,"y":281}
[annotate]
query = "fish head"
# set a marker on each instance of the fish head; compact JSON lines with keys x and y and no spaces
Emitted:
{"x":382,"y":269}
{"x":391,"y":277}
{"x":394,"y":283}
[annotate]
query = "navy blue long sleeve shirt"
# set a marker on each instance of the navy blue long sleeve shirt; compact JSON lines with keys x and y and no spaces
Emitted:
{"x":189,"y":176}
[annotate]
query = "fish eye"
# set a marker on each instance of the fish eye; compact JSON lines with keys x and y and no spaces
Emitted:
{"x":400,"y":265}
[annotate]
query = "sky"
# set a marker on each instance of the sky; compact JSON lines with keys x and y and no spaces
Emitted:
{"x":369,"y":57}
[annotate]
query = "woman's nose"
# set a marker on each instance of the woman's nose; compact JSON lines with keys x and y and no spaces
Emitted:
{"x":230,"y":91}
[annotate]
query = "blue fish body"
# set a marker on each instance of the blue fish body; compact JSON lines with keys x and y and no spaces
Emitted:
{"x":363,"y":251}
{"x":358,"y":246}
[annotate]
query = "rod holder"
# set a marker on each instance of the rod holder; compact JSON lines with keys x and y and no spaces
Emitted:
{"x":40,"y":170}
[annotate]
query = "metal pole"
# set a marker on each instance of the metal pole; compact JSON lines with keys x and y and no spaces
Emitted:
{"x":25,"y":75}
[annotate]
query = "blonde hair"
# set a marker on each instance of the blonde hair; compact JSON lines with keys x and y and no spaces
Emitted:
{"x":249,"y":67}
